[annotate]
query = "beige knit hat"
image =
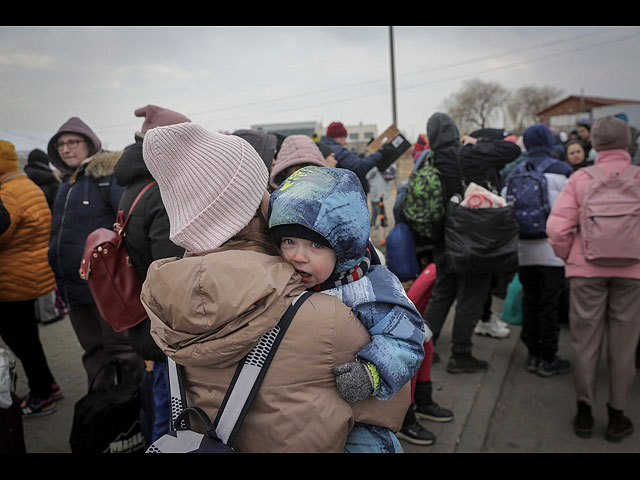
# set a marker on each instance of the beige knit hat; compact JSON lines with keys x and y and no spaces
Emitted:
{"x":610,"y":133}
{"x":211,"y":184}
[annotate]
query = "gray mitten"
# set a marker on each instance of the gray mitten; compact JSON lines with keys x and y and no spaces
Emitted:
{"x":354,"y":381}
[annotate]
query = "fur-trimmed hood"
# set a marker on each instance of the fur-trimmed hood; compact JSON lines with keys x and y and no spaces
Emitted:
{"x":100,"y":165}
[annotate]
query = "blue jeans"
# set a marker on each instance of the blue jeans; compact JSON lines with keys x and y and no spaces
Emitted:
{"x":161,"y":400}
{"x":365,"y":438}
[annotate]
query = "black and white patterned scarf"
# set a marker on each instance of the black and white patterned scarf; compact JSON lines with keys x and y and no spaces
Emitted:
{"x":342,"y":278}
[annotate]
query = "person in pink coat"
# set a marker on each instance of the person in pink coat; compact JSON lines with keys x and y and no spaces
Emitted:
{"x":605,"y":300}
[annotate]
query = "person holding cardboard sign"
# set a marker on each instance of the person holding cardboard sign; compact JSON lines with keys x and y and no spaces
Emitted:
{"x":336,"y":138}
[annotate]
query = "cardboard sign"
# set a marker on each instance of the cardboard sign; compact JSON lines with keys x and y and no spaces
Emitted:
{"x":390,"y":135}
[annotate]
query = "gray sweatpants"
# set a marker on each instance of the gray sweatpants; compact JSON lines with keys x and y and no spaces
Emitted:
{"x":604,"y":308}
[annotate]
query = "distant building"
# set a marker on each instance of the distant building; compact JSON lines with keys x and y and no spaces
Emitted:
{"x":292,"y":128}
{"x":565,"y":114}
{"x":358,"y":136}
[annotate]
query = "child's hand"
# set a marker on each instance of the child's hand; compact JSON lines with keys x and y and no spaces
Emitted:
{"x":354,"y":381}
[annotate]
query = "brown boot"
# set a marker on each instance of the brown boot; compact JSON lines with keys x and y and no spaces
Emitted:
{"x":583,"y":421}
{"x":619,"y":425}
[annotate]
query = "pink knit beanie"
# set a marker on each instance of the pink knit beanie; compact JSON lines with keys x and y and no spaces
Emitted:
{"x":296,"y":150}
{"x":211,"y":184}
{"x":155,"y":116}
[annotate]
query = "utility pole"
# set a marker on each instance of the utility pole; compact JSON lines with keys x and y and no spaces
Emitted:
{"x":393,"y":79}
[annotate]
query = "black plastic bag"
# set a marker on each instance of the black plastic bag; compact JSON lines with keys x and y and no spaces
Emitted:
{"x":108,"y":420}
{"x":481,"y":240}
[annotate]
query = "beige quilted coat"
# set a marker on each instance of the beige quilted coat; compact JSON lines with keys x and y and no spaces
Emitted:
{"x":208,"y":311}
{"x":25,"y":273}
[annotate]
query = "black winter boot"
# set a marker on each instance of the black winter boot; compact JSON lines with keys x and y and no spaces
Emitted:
{"x":413,"y":432}
{"x":466,"y":363}
{"x":583,"y":421}
{"x":619,"y":425}
{"x":426,"y":408}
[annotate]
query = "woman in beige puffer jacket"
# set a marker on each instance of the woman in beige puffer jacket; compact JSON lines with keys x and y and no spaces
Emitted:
{"x":209,"y":309}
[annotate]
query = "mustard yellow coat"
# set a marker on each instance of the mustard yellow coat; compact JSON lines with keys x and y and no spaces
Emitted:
{"x":25,"y":273}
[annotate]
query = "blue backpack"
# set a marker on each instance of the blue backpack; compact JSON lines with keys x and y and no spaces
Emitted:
{"x":401,"y":253}
{"x":527,"y":189}
{"x":401,"y":197}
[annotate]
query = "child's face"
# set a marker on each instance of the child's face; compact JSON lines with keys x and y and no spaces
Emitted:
{"x":313,"y":261}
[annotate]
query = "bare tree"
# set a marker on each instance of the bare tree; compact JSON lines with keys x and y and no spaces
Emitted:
{"x":520,"y":111}
{"x":476,"y":105}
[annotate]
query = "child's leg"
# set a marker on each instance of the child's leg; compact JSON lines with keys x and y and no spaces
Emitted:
{"x":365,"y":438}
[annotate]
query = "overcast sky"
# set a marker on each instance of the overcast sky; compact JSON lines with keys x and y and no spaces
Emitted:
{"x":227,"y":78}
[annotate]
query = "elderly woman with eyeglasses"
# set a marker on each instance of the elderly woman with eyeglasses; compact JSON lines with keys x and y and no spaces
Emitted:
{"x":87,"y":199}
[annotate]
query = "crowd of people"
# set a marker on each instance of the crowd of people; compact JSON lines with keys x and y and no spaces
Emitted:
{"x":552,"y":265}
{"x":230,"y":228}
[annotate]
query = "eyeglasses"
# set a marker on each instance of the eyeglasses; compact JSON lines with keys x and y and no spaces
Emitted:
{"x":72,"y":144}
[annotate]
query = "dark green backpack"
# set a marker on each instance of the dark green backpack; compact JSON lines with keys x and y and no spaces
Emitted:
{"x":424,"y":206}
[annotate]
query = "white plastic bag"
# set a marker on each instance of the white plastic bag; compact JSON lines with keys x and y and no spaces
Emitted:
{"x":7,"y":377}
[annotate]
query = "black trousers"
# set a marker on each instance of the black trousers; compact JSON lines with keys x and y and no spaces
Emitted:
{"x":470,"y":294}
{"x":101,"y":344}
{"x":541,"y":290}
{"x":19,"y":330}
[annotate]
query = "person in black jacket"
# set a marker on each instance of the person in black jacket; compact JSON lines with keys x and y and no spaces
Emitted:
{"x":38,"y":170}
{"x":462,"y":161}
{"x":266,"y":144}
{"x":147,"y":240}
{"x":336,"y":138}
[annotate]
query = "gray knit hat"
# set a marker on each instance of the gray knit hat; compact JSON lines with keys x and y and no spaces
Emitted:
{"x":211,"y":184}
{"x":610,"y":133}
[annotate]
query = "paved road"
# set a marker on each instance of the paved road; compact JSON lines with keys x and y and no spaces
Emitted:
{"x":502,"y":410}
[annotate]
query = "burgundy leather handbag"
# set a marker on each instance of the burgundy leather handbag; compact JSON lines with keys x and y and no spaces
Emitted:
{"x":110,"y":274}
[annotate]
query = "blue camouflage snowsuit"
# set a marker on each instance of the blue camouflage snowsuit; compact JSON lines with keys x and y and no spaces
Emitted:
{"x":331,"y":202}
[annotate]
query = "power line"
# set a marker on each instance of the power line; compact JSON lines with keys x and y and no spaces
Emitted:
{"x":405,"y":75}
{"x":524,"y":62}
{"x":511,"y":65}
{"x":368,"y":82}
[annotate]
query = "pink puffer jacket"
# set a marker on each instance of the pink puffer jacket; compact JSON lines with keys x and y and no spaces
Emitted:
{"x":562,"y":224}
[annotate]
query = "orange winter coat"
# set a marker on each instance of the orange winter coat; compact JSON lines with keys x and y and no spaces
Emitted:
{"x":25,"y":273}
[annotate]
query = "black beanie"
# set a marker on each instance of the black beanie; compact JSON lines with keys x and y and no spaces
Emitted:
{"x":297,"y":231}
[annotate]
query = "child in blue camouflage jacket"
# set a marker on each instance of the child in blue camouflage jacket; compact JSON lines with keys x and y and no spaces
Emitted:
{"x":320,"y":219}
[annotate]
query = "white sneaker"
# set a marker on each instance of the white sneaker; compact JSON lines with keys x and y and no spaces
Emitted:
{"x":496,"y":318}
{"x":495,"y":328}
